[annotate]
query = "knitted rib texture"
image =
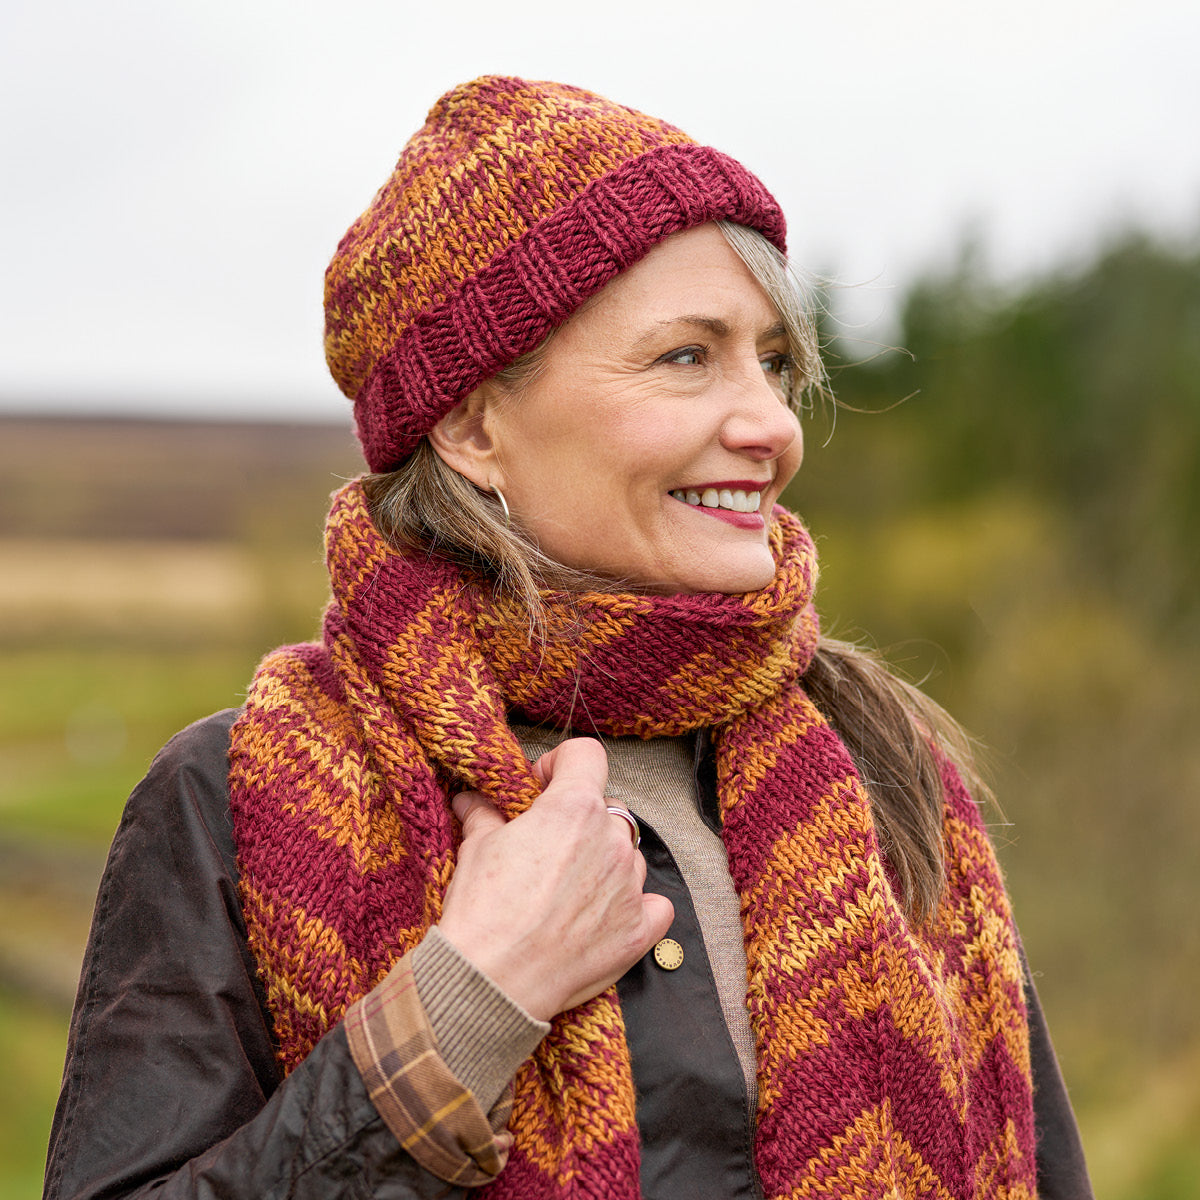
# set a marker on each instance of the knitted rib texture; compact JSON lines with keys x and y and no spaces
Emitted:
{"x":892,"y":1061}
{"x":513,"y":204}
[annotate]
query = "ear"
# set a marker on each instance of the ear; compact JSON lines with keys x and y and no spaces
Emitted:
{"x":462,"y":441}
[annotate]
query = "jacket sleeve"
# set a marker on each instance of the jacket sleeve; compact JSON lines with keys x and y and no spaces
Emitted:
{"x":171,"y":1086}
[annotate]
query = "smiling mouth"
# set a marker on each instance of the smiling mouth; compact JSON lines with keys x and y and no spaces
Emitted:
{"x":733,"y":500}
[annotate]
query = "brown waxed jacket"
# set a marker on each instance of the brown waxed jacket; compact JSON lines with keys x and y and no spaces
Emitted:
{"x":171,"y":1087}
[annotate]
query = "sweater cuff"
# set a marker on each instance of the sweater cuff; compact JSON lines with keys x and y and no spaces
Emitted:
{"x":434,"y":1118}
{"x":483,"y":1035}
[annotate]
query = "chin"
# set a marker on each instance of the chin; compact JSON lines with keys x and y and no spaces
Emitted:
{"x":734,"y":578}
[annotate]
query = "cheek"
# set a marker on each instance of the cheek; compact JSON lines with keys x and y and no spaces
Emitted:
{"x":561,"y":478}
{"x":619,"y":451}
{"x":533,"y":447}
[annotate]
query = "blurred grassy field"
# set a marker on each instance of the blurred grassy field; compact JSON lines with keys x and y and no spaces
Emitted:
{"x":144,"y":568}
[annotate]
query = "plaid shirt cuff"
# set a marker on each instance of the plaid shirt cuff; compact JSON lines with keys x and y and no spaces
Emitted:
{"x":433,"y":1116}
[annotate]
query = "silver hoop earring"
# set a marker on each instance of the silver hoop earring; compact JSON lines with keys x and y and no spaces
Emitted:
{"x":503,"y":504}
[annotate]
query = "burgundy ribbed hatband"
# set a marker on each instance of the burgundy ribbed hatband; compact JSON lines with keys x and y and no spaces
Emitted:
{"x":513,"y":204}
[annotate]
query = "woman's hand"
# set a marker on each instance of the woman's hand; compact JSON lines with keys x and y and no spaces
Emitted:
{"x":550,"y":904}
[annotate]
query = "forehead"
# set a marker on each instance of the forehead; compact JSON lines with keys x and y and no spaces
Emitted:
{"x":692,"y":273}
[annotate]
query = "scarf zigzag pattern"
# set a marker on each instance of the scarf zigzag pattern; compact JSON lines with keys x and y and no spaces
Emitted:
{"x":892,"y":1061}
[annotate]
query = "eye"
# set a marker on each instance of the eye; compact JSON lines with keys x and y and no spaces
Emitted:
{"x":686,"y":356}
{"x":778,"y":364}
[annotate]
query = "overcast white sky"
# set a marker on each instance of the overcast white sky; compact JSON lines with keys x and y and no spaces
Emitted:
{"x":176,"y":173}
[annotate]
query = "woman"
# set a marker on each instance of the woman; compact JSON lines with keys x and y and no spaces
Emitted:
{"x":389,"y":929}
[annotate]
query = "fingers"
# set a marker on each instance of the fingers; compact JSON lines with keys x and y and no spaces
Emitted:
{"x":657,"y":916}
{"x":639,"y":869}
{"x":476,"y":813}
{"x":574,"y":776}
{"x":576,"y":768}
{"x":660,"y":913}
{"x":627,"y":818}
{"x":579,"y":761}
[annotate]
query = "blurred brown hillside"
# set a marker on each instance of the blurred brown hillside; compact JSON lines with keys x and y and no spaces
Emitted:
{"x":126,"y":478}
{"x":131,"y":528}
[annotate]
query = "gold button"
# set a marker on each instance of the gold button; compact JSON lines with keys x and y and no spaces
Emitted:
{"x":668,"y":954}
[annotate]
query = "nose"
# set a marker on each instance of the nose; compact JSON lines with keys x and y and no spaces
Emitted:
{"x":759,"y":423}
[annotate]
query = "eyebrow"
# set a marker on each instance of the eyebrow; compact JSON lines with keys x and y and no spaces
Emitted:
{"x":714,"y":325}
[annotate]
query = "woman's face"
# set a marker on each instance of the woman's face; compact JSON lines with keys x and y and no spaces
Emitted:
{"x":653,"y":442}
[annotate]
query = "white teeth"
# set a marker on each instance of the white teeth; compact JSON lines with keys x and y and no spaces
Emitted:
{"x":727,"y":498}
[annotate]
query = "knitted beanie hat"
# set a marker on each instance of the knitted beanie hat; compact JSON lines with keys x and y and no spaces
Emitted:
{"x":513,"y":204}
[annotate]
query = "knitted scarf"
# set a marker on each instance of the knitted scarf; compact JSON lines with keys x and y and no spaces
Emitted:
{"x":892,"y":1061}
